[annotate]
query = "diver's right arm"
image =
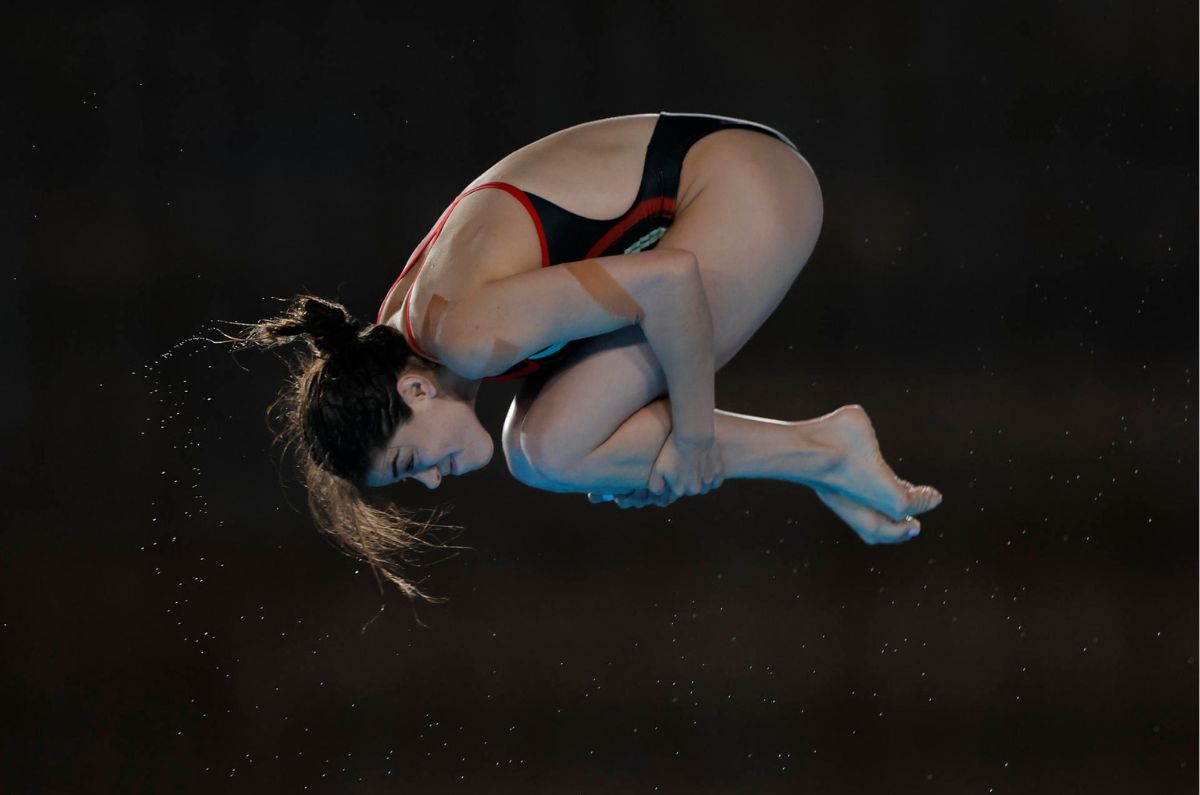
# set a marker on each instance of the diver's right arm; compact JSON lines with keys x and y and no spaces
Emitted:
{"x":502,"y":322}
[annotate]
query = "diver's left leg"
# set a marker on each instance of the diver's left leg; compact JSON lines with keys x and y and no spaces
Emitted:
{"x":751,"y":215}
{"x":809,"y":452}
{"x":826,"y":453}
{"x":751,"y":447}
{"x":752,"y":220}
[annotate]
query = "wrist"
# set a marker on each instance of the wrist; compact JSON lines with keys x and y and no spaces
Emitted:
{"x":694,"y":437}
{"x":693,"y":423}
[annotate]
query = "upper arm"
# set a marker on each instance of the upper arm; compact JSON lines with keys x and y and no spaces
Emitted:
{"x":502,"y":322}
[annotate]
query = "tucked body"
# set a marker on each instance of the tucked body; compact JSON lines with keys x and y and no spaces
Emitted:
{"x":615,"y":266}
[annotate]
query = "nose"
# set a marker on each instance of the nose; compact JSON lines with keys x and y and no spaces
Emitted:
{"x":430,"y":478}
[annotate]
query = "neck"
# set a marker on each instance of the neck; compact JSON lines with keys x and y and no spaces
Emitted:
{"x":456,"y":386}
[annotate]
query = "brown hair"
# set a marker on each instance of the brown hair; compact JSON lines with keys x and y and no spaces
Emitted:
{"x":338,"y":407}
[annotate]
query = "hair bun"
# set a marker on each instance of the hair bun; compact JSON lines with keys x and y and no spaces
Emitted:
{"x":332,"y":329}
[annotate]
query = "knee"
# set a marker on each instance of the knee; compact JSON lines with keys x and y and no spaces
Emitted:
{"x":528,"y":441}
{"x":550,"y":464}
{"x":531,"y":461}
{"x":520,"y":467}
{"x":518,"y":462}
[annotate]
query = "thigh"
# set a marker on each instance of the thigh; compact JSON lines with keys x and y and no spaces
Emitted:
{"x":751,"y":214}
{"x":751,"y":211}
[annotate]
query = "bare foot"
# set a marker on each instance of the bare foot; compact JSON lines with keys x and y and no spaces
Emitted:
{"x":872,"y":526}
{"x":860,"y":472}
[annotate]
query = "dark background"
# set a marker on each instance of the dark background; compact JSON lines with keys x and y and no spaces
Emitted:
{"x":1006,"y":280}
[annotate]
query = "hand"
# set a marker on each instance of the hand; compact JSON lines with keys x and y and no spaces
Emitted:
{"x":634,"y":499}
{"x":687,"y":468}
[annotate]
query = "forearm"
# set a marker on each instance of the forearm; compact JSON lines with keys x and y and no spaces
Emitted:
{"x":678,"y":328}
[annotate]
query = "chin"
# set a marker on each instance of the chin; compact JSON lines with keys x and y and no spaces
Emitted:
{"x":475,"y":457}
{"x":487,"y":453}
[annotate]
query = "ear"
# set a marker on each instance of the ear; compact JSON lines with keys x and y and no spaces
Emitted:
{"x":414,"y":387}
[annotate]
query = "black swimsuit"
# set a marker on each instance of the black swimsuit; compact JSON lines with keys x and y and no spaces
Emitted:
{"x":567,"y":237}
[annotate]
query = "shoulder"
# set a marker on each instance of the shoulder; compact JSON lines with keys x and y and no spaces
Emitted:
{"x":490,"y":235}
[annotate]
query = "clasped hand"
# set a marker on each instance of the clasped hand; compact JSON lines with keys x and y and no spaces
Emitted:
{"x":683,"y":468}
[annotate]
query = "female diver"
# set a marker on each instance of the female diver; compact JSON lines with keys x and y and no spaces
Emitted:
{"x":617,"y":326}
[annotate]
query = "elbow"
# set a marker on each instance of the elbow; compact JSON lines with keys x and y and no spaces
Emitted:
{"x":681,"y":258}
{"x":462,"y":348}
{"x":468,"y":361}
{"x":685,"y":269}
{"x":685,"y":276}
{"x":675,"y":291}
{"x":680,"y":269}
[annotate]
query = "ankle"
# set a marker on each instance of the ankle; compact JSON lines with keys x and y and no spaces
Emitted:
{"x":817,"y":452}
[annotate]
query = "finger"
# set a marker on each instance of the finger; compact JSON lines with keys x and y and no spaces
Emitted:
{"x":596,"y":498}
{"x":633,"y":499}
{"x":658,"y":483}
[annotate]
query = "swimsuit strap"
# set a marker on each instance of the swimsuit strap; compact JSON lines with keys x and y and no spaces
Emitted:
{"x":419,"y":256}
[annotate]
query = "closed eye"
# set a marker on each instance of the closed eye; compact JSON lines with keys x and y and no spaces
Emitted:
{"x":407,"y":469}
{"x":399,"y":472}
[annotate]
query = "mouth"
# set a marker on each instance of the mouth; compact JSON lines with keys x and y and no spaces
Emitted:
{"x":453,"y":466}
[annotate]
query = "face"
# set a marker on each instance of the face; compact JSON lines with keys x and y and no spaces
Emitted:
{"x":442,"y":437}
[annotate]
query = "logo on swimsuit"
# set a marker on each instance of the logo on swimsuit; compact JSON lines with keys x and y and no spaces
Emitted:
{"x":647,"y":240}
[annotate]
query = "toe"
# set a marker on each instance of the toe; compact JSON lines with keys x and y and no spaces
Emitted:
{"x":904,"y":531}
{"x":871,"y":526}
{"x":890,"y":532}
{"x":922,"y":498}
